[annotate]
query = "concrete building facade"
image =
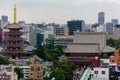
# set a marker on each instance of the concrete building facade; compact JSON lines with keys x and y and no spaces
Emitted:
{"x":75,"y":25}
{"x":36,"y":68}
{"x":100,"y":74}
{"x":7,"y":72}
{"x":101,"y":18}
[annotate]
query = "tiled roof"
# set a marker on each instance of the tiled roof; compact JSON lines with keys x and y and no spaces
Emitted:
{"x":82,"y":48}
{"x":13,"y":26}
{"x":29,"y":48}
{"x":38,"y":58}
{"x":87,"y":48}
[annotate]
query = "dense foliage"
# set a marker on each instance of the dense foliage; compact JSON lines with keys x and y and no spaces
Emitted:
{"x":4,"y":60}
{"x":48,"y":52}
{"x":19,"y":72}
{"x":113,"y":43}
{"x":62,"y":70}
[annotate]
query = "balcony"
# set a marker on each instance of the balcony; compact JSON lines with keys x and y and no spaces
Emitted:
{"x":13,"y":39}
{"x":81,"y":58}
{"x":78,"y":60}
{"x":14,"y":33}
{"x":13,"y":51}
{"x":14,"y":45}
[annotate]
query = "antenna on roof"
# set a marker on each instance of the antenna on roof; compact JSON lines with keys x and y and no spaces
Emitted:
{"x":15,"y":14}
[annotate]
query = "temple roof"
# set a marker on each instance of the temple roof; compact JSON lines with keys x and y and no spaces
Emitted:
{"x":82,"y":48}
{"x":11,"y":26}
{"x":29,"y":48}
{"x":38,"y":58}
{"x":87,"y":48}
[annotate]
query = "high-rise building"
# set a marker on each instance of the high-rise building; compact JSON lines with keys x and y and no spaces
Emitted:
{"x":61,"y":31}
{"x":109,"y":29}
{"x":32,"y":35}
{"x":40,"y":38}
{"x":117,"y":32}
{"x":75,"y":25}
{"x":101,"y":18}
{"x":4,"y":18}
{"x":4,"y":21}
{"x":114,"y":21}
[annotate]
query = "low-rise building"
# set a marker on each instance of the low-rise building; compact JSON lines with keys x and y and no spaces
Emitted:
{"x":25,"y":71}
{"x":118,"y":72}
{"x":99,"y":73}
{"x":60,"y":40}
{"x":7,"y":72}
{"x":115,"y":58}
{"x":36,"y":68}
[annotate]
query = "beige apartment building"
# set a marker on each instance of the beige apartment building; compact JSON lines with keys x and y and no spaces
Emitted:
{"x":36,"y":68}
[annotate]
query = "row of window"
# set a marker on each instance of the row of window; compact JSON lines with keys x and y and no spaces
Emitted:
{"x":96,"y":72}
{"x":36,"y":68}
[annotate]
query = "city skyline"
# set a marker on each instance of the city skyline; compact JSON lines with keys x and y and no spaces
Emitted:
{"x":60,"y":11}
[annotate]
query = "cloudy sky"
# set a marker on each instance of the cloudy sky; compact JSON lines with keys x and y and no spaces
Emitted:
{"x":60,"y":11}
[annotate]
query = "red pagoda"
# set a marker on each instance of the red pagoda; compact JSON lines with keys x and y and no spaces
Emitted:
{"x":13,"y":43}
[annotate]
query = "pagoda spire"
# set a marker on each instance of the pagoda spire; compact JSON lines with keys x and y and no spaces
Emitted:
{"x":15,"y":14}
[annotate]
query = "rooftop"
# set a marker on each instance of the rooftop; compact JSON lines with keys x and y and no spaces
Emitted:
{"x":11,"y":26}
{"x":87,"y":48}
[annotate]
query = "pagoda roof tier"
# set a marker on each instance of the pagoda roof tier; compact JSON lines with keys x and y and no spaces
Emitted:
{"x":13,"y":51}
{"x":13,"y":45}
{"x":13,"y":26}
{"x":13,"y":39}
{"x":14,"y":33}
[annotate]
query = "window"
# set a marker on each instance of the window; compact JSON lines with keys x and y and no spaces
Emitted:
{"x":103,"y":72}
{"x":38,"y":68}
{"x":95,"y":72}
{"x":32,"y":68}
{"x":112,"y":60}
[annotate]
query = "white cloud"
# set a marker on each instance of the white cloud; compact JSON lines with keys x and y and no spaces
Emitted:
{"x":78,"y":2}
{"x":114,"y":1}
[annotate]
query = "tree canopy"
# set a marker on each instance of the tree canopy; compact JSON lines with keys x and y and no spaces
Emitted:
{"x":4,"y":60}
{"x":62,"y":70}
{"x":114,"y":43}
{"x":48,"y":52}
{"x":19,"y":72}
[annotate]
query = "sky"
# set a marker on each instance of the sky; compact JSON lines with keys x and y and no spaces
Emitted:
{"x":60,"y":11}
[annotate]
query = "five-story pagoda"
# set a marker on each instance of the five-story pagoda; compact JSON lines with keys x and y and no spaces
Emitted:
{"x":13,"y":43}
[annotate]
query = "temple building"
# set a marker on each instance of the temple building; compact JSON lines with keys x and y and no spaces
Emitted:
{"x":13,"y":43}
{"x":87,"y":49}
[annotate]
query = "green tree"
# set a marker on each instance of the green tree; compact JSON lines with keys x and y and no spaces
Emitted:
{"x":66,"y":67}
{"x":110,"y":42}
{"x":19,"y":72}
{"x":113,"y":43}
{"x":39,"y":51}
{"x":4,"y":61}
{"x":105,"y":56}
{"x":48,"y":52}
{"x":58,"y":73}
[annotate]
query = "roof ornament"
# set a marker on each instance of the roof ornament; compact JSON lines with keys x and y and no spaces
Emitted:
{"x":15,"y":14}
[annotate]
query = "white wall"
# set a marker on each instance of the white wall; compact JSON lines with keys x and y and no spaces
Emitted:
{"x":100,"y":75}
